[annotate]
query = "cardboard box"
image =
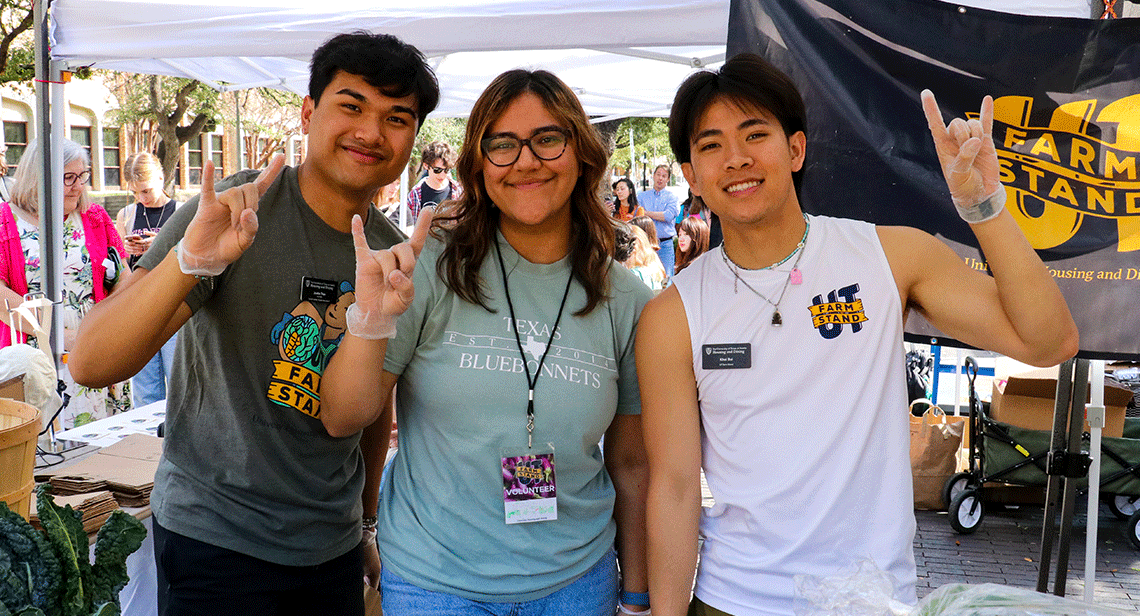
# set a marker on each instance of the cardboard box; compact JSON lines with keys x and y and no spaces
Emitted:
{"x":1026,"y":400}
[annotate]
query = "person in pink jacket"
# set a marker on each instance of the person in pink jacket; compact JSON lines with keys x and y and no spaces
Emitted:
{"x":92,"y":257}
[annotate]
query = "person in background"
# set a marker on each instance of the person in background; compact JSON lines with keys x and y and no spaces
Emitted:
{"x":5,"y":179}
{"x":387,"y":201}
{"x":258,"y":510}
{"x":692,"y":241}
{"x":514,"y":359}
{"x":92,"y":266}
{"x":138,"y":223}
{"x":650,"y":229}
{"x":643,"y":261}
{"x":662,"y":206}
{"x":625,"y":201}
{"x":801,"y":320}
{"x":437,"y":186}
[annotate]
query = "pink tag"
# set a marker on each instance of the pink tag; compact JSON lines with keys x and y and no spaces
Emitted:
{"x":796,"y":277}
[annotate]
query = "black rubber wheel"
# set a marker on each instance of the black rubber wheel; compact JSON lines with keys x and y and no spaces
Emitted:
{"x":966,"y":512}
{"x":1132,"y":527}
{"x":955,"y":485}
{"x":1122,"y":506}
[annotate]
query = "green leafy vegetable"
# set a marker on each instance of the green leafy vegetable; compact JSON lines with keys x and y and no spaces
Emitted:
{"x":64,"y":529}
{"x":119,"y":537}
{"x":49,"y":573}
{"x":34,"y":573}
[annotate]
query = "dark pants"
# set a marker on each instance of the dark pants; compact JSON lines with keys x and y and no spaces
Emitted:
{"x":699,"y":608}
{"x":199,"y":579}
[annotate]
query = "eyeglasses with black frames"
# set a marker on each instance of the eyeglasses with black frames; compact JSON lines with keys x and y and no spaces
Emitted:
{"x":438,"y":169}
{"x":69,"y":179}
{"x":504,"y":150}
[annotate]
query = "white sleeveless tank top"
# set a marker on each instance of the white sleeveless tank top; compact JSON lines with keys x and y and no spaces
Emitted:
{"x":807,"y":451}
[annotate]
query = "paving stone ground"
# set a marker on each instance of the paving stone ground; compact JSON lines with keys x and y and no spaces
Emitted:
{"x":1006,"y":550}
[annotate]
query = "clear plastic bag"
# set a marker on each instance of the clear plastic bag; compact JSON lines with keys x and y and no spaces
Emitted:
{"x":998,"y":600}
{"x":861,"y":590}
{"x":866,"y":590}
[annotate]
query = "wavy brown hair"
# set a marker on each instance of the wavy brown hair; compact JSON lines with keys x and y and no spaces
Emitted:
{"x":468,"y":226}
{"x":698,"y":232}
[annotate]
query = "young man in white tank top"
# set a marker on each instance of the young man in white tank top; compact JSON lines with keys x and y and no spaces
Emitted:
{"x":775,"y":361}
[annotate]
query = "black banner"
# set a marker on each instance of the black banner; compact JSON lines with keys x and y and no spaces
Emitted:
{"x":1066,"y":126}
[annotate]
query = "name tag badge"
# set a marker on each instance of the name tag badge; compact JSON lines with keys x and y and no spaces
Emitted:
{"x":736,"y":356}
{"x":318,"y":290}
{"x":529,"y":490}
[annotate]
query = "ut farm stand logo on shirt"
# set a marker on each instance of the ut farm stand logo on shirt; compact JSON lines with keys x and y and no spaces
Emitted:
{"x":501,"y":354}
{"x":306,"y":338}
{"x":842,"y":308}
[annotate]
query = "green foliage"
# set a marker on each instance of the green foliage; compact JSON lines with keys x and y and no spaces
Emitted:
{"x":64,"y":529}
{"x":451,"y":131}
{"x":650,"y":139}
{"x":34,"y":581}
{"x":21,"y":65}
{"x":33,"y":576}
{"x":119,"y":537}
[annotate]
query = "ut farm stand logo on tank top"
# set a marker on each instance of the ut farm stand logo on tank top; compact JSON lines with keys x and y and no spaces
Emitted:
{"x":842,"y":308}
{"x":306,"y":338}
{"x":500,"y":353}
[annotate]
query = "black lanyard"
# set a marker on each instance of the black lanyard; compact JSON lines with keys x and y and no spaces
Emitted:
{"x":515,"y":327}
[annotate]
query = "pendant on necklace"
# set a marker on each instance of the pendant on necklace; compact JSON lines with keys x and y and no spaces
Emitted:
{"x":777,"y":320}
{"x":796,"y":277}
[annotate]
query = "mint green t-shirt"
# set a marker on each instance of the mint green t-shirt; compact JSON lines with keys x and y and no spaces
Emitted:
{"x":462,"y":399}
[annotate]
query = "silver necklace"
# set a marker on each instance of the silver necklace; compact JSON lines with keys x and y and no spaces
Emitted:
{"x":795,"y":274}
{"x":161,"y":211}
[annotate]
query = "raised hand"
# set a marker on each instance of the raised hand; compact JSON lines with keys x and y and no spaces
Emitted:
{"x":967,"y":154}
{"x":225,"y":224}
{"x":384,"y":287}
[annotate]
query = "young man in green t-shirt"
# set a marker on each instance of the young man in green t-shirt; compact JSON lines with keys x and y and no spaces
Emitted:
{"x":257,"y":509}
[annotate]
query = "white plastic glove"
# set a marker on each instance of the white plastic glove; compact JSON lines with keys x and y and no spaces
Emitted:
{"x":969,"y":160}
{"x":384,"y":287}
{"x":225,"y":224}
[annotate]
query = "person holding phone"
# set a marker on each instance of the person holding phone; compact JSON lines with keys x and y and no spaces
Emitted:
{"x":138,"y":223}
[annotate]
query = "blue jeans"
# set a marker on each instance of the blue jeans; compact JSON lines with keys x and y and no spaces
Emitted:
{"x":593,"y":594}
{"x":149,"y":385}
{"x":668,"y":257}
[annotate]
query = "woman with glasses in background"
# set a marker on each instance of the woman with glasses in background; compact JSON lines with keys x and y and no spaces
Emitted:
{"x":514,"y":359}
{"x":93,"y":254}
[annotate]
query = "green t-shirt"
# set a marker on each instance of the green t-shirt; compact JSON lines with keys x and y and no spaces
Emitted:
{"x":462,"y":398}
{"x":247,"y":464}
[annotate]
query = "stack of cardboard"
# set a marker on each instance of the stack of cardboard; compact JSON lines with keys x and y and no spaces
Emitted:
{"x":96,"y":507}
{"x":126,"y":469}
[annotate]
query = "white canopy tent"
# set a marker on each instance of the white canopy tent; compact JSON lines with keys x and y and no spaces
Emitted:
{"x":622,"y":57}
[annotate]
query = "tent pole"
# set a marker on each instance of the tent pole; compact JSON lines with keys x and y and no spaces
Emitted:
{"x":50,"y":161}
{"x":1096,"y":425}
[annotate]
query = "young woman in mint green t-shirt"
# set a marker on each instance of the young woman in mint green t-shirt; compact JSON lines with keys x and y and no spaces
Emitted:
{"x":514,"y":358}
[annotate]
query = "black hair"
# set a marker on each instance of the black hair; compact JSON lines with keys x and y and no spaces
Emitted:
{"x":746,"y":80}
{"x":631,"y":202}
{"x":394,"y":67}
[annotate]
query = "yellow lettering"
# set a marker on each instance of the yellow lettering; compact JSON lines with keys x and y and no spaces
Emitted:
{"x":1114,"y":166}
{"x":1083,"y":155}
{"x":1061,"y":189}
{"x":1046,"y":145}
{"x":1014,"y":137}
{"x":1132,"y":203}
{"x":1104,"y":201}
{"x":1034,"y":175}
{"x":1005,"y":171}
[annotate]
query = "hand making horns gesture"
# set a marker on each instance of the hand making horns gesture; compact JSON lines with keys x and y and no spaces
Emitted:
{"x":225,"y":224}
{"x":966,"y":152}
{"x":384,"y":287}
